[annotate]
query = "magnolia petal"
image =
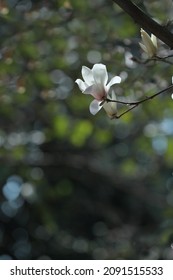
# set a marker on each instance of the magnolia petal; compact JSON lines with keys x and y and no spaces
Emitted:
{"x":87,"y":75}
{"x":100,"y":74}
{"x":154,"y":40}
{"x":110,"y":108}
{"x":113,"y":81}
{"x":145,"y":38}
{"x":143,"y":47}
{"x":151,"y":49}
{"x":96,"y":92}
{"x":114,"y":96}
{"x":95,"y":107}
{"x":81,"y":84}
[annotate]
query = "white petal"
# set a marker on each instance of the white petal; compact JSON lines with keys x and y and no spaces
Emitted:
{"x":114,"y":80}
{"x":96,"y":92}
{"x":151,"y":48}
{"x":154,"y":40}
{"x":94,"y":107}
{"x":87,"y":75}
{"x":114,"y":96}
{"x":143,"y":47}
{"x":100,"y":74}
{"x":110,"y":108}
{"x":81,"y":84}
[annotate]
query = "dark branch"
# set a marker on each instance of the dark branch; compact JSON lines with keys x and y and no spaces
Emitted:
{"x":146,"y":22}
{"x":143,"y":100}
{"x":134,"y":104}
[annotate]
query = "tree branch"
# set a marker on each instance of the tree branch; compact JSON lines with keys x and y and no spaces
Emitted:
{"x":146,"y":22}
{"x":134,"y":104}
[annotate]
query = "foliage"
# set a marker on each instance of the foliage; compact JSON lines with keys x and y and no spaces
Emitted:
{"x":73,"y":185}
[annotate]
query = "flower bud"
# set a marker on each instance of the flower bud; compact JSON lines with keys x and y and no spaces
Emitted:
{"x":149,"y":44}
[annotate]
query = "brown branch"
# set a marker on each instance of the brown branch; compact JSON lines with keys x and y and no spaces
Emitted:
{"x":140,"y":101}
{"x":134,"y":104}
{"x":125,"y":112}
{"x":146,"y":22}
{"x":153,"y":59}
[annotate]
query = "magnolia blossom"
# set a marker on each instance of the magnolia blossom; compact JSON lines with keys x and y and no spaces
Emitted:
{"x":149,"y":44}
{"x":96,"y":84}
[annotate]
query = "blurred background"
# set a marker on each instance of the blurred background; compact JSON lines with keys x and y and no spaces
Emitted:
{"x":73,"y":185}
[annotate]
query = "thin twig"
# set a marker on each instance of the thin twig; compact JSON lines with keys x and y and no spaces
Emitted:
{"x":153,"y":59}
{"x":125,"y":112}
{"x":134,"y":104}
{"x":140,"y":101}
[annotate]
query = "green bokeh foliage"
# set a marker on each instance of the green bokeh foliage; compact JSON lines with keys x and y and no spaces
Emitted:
{"x":90,"y":187}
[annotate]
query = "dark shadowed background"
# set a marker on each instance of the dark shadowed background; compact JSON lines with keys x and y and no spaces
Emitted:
{"x":73,"y":185}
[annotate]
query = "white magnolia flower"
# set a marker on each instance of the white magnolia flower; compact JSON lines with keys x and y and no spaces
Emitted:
{"x":149,"y":44}
{"x":95,"y":83}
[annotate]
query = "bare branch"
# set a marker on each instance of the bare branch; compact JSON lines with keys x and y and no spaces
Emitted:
{"x":153,"y":59}
{"x":134,"y":104}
